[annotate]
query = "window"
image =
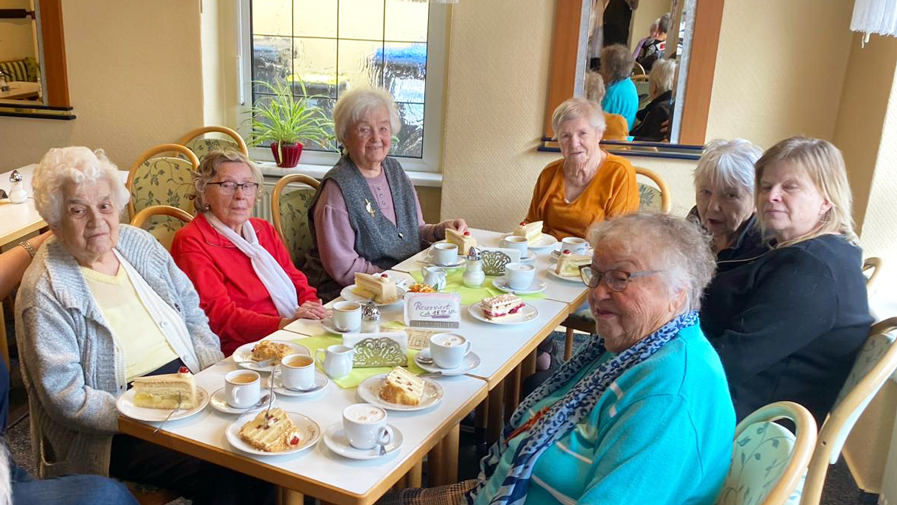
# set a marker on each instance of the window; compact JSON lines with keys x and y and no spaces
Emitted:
{"x":335,"y":45}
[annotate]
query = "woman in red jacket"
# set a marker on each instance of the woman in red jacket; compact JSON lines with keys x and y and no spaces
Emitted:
{"x":246,"y":281}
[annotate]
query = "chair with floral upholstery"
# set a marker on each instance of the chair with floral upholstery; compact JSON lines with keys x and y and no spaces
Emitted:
{"x":162,"y":180}
{"x":653,"y":198}
{"x":162,"y":221}
{"x":289,"y":208}
{"x":768,"y":461}
{"x":874,"y":364}
{"x":201,"y":143}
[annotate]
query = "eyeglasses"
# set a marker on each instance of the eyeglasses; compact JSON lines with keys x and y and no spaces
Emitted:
{"x":230,"y":187}
{"x":616,"y":280}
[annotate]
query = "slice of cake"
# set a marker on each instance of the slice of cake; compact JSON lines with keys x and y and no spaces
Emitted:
{"x":402,"y":387}
{"x":502,"y":307}
{"x":270,"y":350}
{"x":274,"y":433}
{"x":377,"y":287}
{"x":464,"y":241}
{"x":569,"y":263}
{"x":161,"y":391}
{"x":532,"y":231}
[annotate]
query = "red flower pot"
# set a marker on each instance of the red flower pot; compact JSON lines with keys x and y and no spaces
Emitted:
{"x":291,"y":153}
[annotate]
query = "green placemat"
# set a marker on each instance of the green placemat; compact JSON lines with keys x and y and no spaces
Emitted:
{"x":358,"y":375}
{"x":454,"y":283}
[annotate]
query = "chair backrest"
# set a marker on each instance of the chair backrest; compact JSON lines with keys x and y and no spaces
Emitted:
{"x":289,"y":208}
{"x":874,"y":364}
{"x":162,"y":180}
{"x":658,"y":198}
{"x":873,"y":266}
{"x":162,"y":221}
{"x":638,"y":69}
{"x":768,"y":461}
{"x":201,"y":144}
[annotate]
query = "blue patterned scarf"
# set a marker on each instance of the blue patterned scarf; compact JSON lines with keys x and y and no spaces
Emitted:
{"x":566,"y":413}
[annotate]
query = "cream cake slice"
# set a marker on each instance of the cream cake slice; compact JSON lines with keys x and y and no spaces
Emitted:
{"x":502,"y":307}
{"x":377,"y":287}
{"x":403,"y":387}
{"x":532,"y":231}
{"x":464,"y":241}
{"x":271,"y":431}
{"x":569,"y":263}
{"x":161,"y":391}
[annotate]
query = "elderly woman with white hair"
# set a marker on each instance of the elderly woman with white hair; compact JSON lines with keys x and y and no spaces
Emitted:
{"x":724,"y":193}
{"x":589,"y":184}
{"x":366,"y":217}
{"x":657,"y":111}
{"x":102,"y":304}
{"x":642,"y":414}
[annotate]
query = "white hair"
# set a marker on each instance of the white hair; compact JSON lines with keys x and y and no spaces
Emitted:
{"x":575,"y":108}
{"x":728,"y":163}
{"x":78,"y":165}
{"x":662,"y":74}
{"x":5,"y":476}
{"x":354,"y":104}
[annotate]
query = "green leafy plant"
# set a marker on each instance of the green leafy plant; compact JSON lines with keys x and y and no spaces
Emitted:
{"x":286,"y":119}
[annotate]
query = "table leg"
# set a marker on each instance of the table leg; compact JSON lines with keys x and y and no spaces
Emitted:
{"x":495,"y":421}
{"x":568,"y":344}
{"x":435,"y":470}
{"x":450,"y":455}
{"x":414,"y":477}
{"x":4,"y":345}
{"x":528,"y":367}
{"x":480,"y":418}
{"x":289,"y":497}
{"x":512,"y":392}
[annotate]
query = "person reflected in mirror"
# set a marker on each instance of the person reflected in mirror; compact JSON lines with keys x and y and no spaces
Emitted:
{"x":366,"y":216}
{"x":615,"y":125}
{"x":620,"y":97}
{"x":618,"y":20}
{"x":659,"y":108}
{"x":247,"y":283}
{"x":652,"y":48}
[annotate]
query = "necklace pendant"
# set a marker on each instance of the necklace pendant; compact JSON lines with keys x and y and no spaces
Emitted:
{"x":369,"y":207}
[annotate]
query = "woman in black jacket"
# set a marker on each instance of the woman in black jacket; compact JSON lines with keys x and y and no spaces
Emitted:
{"x":789,"y":322}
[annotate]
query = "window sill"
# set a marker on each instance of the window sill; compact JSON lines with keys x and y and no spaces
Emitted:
{"x":270,"y":169}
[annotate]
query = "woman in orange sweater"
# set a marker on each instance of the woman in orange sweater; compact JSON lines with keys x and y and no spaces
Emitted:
{"x":589,"y":184}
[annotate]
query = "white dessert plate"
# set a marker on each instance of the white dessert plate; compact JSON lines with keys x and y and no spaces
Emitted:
{"x":328,"y":325}
{"x":219,"y":403}
{"x":432,"y":263}
{"x":555,"y":254}
{"x":321,"y":382}
{"x":528,"y":313}
{"x":310,"y":434}
{"x":537,"y":286}
{"x":554,"y":274}
{"x":470,"y":361}
{"x":125,"y":405}
{"x":348,"y":294}
{"x":545,"y":241}
{"x":243,"y":355}
{"x":369,"y":391}
{"x":335,"y":439}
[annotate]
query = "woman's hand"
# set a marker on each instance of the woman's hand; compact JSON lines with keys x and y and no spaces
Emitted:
{"x":458,"y":225}
{"x":311,"y":310}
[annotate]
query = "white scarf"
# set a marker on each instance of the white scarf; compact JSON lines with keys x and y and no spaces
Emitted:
{"x":272,"y":275}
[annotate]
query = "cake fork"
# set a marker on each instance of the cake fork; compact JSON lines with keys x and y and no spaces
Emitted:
{"x":176,"y":408}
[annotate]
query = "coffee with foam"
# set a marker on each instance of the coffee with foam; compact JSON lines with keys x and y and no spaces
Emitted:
{"x":365,"y":415}
{"x":450,"y":340}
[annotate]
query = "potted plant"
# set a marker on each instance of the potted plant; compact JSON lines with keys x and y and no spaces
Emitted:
{"x":284,"y":120}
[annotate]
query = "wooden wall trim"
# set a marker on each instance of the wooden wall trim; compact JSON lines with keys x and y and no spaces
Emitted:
{"x":562,"y":79}
{"x":54,"y":68}
{"x":699,"y":86}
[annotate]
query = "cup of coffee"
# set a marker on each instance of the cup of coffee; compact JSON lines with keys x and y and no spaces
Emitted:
{"x":242,"y":388}
{"x":444,"y":254}
{"x":346,"y":316}
{"x":520,"y":276}
{"x":365,"y":426}
{"x":297,"y":371}
{"x":514,"y":242}
{"x":575,"y":245}
{"x":448,"y":349}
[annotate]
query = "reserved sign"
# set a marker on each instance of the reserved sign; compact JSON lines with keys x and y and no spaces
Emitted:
{"x":433,"y":310}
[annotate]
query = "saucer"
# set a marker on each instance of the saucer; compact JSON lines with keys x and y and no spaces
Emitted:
{"x":571,"y":278}
{"x":555,"y":254}
{"x":328,"y":325}
{"x":219,"y":403}
{"x":430,"y":262}
{"x":321,"y":382}
{"x":537,"y":286}
{"x":335,"y":439}
{"x":530,"y":257}
{"x":470,"y":361}
{"x":544,"y":241}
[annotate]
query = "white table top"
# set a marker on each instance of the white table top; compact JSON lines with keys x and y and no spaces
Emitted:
{"x":21,"y":89}
{"x":18,"y":220}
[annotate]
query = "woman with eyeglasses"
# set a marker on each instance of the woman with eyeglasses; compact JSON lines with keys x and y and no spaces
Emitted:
{"x":246,"y":281}
{"x":642,"y":414}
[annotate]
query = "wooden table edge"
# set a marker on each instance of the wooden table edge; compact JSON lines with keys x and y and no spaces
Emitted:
{"x":11,"y":237}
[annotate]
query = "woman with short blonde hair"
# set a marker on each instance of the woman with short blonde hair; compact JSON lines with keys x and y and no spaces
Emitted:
{"x":659,"y":110}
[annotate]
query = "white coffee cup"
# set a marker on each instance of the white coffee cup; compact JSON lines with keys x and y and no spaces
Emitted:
{"x":514,"y":242}
{"x":520,"y":275}
{"x":365,"y":425}
{"x":575,"y":245}
{"x":448,"y":349}
{"x":444,"y":254}
{"x":346,"y":316}
{"x":297,"y":371}
{"x":242,"y":388}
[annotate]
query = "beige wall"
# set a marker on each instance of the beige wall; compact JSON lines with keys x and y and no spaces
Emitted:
{"x":134,"y":80}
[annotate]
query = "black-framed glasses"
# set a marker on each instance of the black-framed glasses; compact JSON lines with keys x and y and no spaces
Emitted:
{"x":616,"y":280}
{"x":230,"y":187}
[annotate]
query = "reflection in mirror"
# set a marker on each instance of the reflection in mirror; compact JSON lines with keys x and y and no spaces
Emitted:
{"x":20,"y":72}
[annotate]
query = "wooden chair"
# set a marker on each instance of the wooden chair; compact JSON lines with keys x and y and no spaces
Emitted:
{"x":639,"y":78}
{"x":638,"y":69}
{"x":290,"y":214}
{"x":201,"y":145}
{"x":162,"y":180}
{"x":874,"y":265}
{"x":768,"y":461}
{"x":874,"y":364}
{"x":658,"y":199}
{"x":162,"y":221}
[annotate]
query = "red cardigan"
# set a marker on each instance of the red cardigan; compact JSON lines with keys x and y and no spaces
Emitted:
{"x":239,"y":307}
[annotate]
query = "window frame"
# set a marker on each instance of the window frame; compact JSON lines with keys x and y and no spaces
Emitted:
{"x":437,"y":42}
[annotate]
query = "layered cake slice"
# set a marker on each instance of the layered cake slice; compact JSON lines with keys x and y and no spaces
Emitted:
{"x":402,"y":387}
{"x":268,"y":350}
{"x":464,"y":241}
{"x":271,"y":431}
{"x":502,"y":307}
{"x":569,"y":263}
{"x":532,"y":231}
{"x":376,"y":287}
{"x":162,"y":391}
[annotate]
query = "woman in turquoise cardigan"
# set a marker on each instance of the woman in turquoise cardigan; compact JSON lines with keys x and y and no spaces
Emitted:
{"x":642,"y":414}
{"x":621,"y":96}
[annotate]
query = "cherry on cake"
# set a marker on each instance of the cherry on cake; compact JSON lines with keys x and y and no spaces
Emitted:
{"x":464,"y":241}
{"x":377,"y":287}
{"x":532,"y":231}
{"x":166,"y":391}
{"x":502,"y":307}
{"x":569,"y":263}
{"x":402,"y":387}
{"x":271,"y":431}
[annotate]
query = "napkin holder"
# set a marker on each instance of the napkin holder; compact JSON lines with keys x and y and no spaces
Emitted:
{"x":382,"y":349}
{"x":494,"y":261}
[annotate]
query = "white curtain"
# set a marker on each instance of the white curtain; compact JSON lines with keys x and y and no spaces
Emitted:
{"x":874,"y":16}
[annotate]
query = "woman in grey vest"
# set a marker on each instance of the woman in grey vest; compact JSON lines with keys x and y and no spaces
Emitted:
{"x":366,"y":217}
